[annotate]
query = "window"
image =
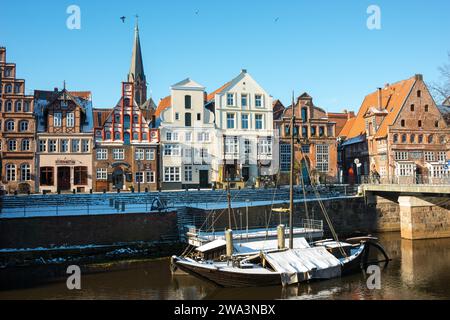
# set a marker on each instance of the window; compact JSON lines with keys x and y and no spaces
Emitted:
{"x":231,"y":145}
{"x":85,"y":145}
{"x":401,"y":155}
{"x":199,"y":116}
{"x":18,"y":106}
{"x":429,"y":156}
{"x":139,"y":177}
{"x":405,"y":169}
{"x":172,"y":150}
{"x":8,"y":88}
{"x":10,"y":125}
{"x":188,"y":173}
{"x":80,"y":175}
{"x":10,"y":172}
{"x":126,"y":121}
{"x":25,"y":145}
{"x":188,"y":102}
{"x":412,"y":108}
{"x":23,"y":126}
{"x":244,"y":100}
{"x":230,"y":99}
{"x":419,"y":123}
{"x":258,"y":121}
{"x":420,"y":138}
{"x":436,"y":124}
{"x":46,"y":176}
{"x":187,"y":119}
{"x":8,"y":72}
{"x":117,"y":136}
{"x":258,"y":100}
{"x":419,"y":93}
{"x":230,"y":120}
{"x":8,"y":106}
{"x":171,"y":174}
{"x":12,"y":145}
{"x":64,"y":146}
{"x":204,"y":154}
{"x":438,"y":171}
{"x":313,"y":131}
{"x":42,"y":145}
{"x":102,"y":174}
{"x":426,"y":108}
{"x":430,"y":138}
{"x":188,"y":136}
{"x":203,"y":137}
{"x":117,"y":118}
{"x":321,"y":131}
{"x":404,"y":138}
{"x":108,"y":135}
{"x":244,"y":121}
{"x":322,"y":152}
{"x":285,"y":157}
{"x":57,"y":118}
{"x":26,"y":106}
{"x":188,"y":154}
{"x":136,"y":119}
{"x":118,"y":154}
{"x":304,"y":115}
{"x":139,"y":154}
{"x":171,"y":136}
{"x":75,"y":145}
{"x":135,"y":136}
{"x":305,"y":132}
{"x":102,"y":154}
{"x":144,"y":136}
{"x":306,"y":148}
{"x":177,"y":116}
{"x":25,"y":172}
{"x":412,"y":138}
{"x":70,"y":120}
{"x":17,"y":88}
{"x":441,"y":156}
{"x":402,"y":123}
{"x":442,"y":139}
{"x":265,"y":146}
{"x":52,"y":145}
{"x":150,"y":154}
{"x":150,"y":176}
{"x":247,"y":147}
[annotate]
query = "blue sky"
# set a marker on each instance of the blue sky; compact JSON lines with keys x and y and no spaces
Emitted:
{"x":322,"y":47}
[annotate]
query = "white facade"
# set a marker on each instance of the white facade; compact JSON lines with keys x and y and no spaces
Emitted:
{"x":187,"y":138}
{"x":244,"y":119}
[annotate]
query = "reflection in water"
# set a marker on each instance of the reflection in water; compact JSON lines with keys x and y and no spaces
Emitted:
{"x":418,"y":270}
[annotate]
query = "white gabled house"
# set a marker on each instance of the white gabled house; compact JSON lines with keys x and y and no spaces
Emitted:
{"x":187,"y":137}
{"x":246,"y":141}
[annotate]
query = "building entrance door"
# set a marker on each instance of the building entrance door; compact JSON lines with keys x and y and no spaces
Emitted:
{"x":203,"y":178}
{"x":63,"y":178}
{"x":117,"y":178}
{"x":245,"y":173}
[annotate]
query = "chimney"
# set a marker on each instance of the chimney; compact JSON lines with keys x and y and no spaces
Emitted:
{"x":55,"y":89}
{"x":244,"y":70}
{"x":380,"y":100}
{"x":419,"y":77}
{"x":2,"y":54}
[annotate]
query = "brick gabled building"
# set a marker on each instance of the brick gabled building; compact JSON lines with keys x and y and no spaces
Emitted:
{"x":316,"y":147}
{"x":399,"y":135}
{"x":17,"y":131}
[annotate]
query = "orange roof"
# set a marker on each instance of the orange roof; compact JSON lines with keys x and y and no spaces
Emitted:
{"x":346,"y":129}
{"x":213,"y":94}
{"x":341,"y":120}
{"x":163,"y":105}
{"x":393,"y":98}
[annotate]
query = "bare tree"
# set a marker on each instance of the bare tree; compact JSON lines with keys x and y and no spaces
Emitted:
{"x":441,"y":89}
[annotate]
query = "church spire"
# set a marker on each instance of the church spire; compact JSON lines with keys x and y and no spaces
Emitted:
{"x":137,"y":75}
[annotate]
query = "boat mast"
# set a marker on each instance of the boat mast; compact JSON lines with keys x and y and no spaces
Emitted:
{"x":291,"y":185}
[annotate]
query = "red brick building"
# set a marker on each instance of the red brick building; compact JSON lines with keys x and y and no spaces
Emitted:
{"x":17,"y":129}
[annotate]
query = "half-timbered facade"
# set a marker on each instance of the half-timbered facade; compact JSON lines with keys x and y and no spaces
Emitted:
{"x":64,"y":141}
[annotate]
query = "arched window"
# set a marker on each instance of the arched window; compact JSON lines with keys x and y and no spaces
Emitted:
{"x":18,"y":106}
{"x":17,"y":88}
{"x":126,"y":121}
{"x":25,"y":145}
{"x":117,"y":136}
{"x":8,"y":106}
{"x":12,"y":145}
{"x":442,"y":139}
{"x":23,"y":126}
{"x":10,"y":126}
{"x":403,"y":138}
{"x":8,"y":72}
{"x":25,"y":172}
{"x":126,"y":138}
{"x":395,"y":138}
{"x":26,"y":106}
{"x":8,"y":88}
{"x":135,"y":118}
{"x":144,"y":136}
{"x":117,"y":118}
{"x":430,"y":138}
{"x":420,"y":138}
{"x":412,"y":138}
{"x":10,"y":172}
{"x":108,"y":135}
{"x":135,"y":136}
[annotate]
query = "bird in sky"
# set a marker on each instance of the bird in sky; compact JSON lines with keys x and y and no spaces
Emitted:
{"x":276,"y":20}
{"x":123,"y":19}
{"x":196,"y":12}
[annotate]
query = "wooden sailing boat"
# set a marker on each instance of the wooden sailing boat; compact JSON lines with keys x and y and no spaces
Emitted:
{"x":323,"y":259}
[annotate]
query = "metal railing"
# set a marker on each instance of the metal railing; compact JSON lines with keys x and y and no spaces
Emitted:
{"x":443,"y":179}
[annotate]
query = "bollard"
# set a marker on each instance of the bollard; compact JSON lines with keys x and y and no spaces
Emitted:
{"x":281,"y":237}
{"x":229,"y":241}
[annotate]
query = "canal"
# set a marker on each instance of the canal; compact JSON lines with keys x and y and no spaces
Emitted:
{"x":418,"y":270}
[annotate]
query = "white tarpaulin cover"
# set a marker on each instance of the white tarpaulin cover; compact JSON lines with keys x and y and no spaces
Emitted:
{"x":298,"y":265}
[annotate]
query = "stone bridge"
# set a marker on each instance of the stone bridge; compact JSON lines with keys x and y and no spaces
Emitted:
{"x":424,"y":209}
